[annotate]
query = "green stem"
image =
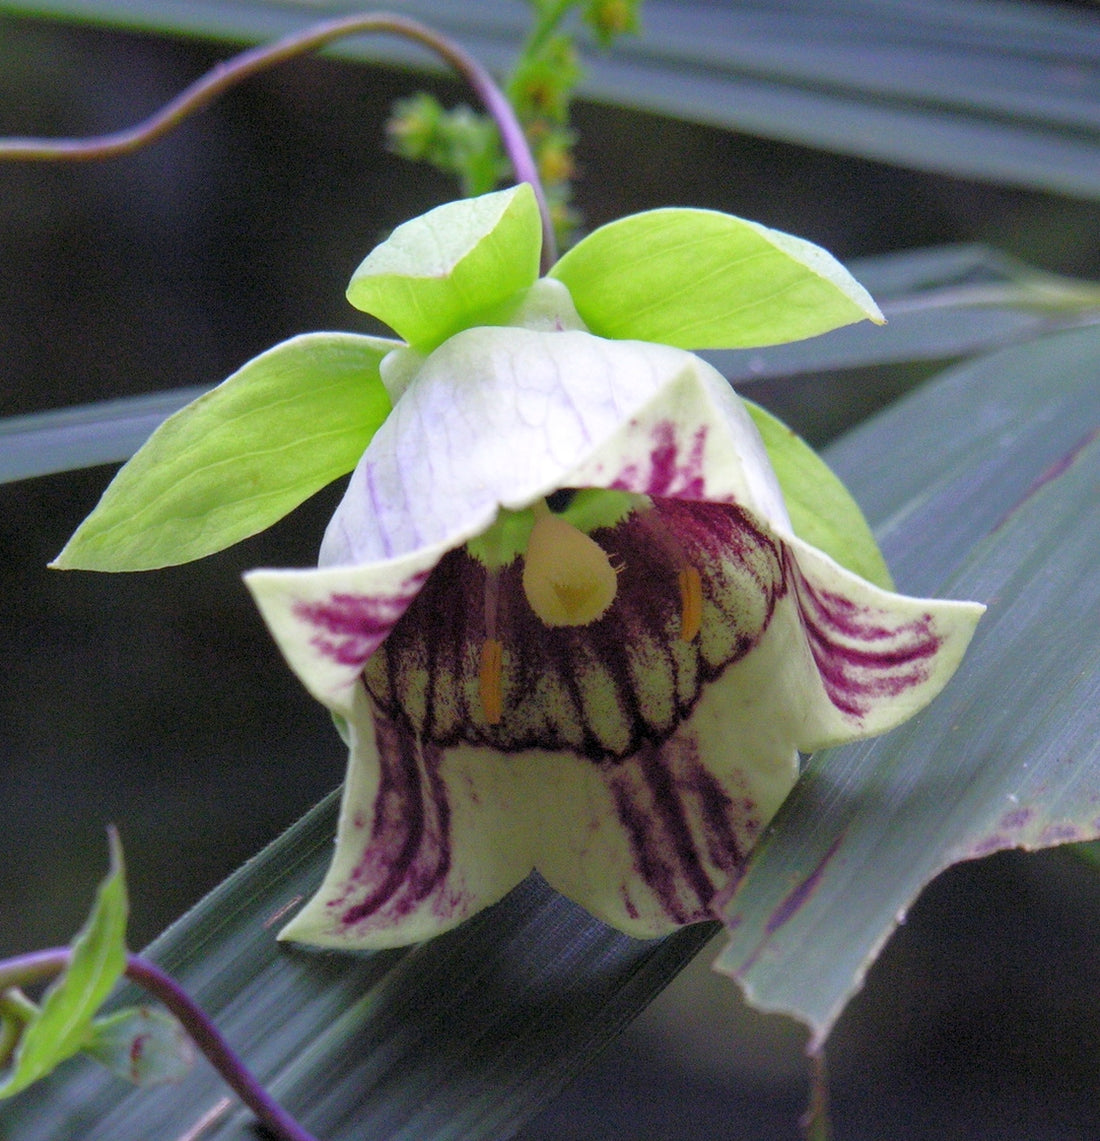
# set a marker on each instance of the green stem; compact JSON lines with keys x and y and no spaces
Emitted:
{"x":544,"y":27}
{"x":15,"y":1006}
{"x":224,"y":75}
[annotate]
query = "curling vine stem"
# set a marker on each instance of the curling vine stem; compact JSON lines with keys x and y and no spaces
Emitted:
{"x":39,"y":965}
{"x":232,"y":71}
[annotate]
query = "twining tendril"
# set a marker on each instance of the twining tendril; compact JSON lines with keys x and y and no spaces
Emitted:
{"x":225,"y":75}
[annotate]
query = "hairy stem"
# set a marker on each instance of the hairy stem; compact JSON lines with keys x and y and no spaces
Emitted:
{"x":225,"y":75}
{"x":40,"y":965}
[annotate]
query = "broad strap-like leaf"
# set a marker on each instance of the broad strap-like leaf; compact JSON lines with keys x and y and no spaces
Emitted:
{"x":451,"y":267}
{"x":1003,"y":508}
{"x":465,"y":1036}
{"x":240,"y":457}
{"x":64,"y":1021}
{"x":65,"y":439}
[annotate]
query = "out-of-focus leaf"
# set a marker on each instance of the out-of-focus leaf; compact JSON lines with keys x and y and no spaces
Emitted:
{"x":986,"y":89}
{"x":106,"y":432}
{"x":821,"y":508}
{"x":464,"y":1037}
{"x":991,"y":492}
{"x":64,"y":1021}
{"x":146,"y":1046}
{"x":239,"y":458}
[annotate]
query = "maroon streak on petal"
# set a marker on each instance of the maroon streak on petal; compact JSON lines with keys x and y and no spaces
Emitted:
{"x":859,"y":656}
{"x":600,"y":690}
{"x":407,"y":851}
{"x":672,"y":471}
{"x":350,"y":627}
{"x":687,"y":834}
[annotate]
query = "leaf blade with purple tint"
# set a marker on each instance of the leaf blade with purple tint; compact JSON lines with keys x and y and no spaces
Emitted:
{"x":1008,"y":755}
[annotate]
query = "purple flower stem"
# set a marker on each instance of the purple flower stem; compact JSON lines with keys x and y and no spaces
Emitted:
{"x":224,"y":75}
{"x":40,"y":965}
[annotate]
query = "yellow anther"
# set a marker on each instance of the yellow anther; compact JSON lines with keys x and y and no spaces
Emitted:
{"x":691,"y":602}
{"x":488,"y":680}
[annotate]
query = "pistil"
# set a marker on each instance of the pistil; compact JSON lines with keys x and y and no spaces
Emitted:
{"x":567,"y":576}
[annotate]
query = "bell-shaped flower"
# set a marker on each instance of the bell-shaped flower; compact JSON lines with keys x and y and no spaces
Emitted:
{"x":561,"y":613}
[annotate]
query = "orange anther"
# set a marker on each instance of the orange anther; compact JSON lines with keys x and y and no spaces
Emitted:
{"x":488,"y":680}
{"x":691,"y":602}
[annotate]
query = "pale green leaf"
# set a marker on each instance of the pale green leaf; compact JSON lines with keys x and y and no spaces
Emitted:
{"x":64,"y":1021}
{"x":143,"y":1045}
{"x":1002,"y":508}
{"x":699,"y":279}
{"x":240,"y":457}
{"x":821,"y":508}
{"x":445,"y":270}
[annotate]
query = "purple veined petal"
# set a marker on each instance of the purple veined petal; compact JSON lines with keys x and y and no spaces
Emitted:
{"x":879,"y":657}
{"x":427,"y":836}
{"x":656,"y":841}
{"x":329,"y":621}
{"x":501,"y":417}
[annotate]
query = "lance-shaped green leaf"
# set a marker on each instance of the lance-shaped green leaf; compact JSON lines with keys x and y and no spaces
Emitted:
{"x":64,"y":1021}
{"x":145,"y":1046}
{"x":240,"y":457}
{"x":447,"y":269}
{"x":821,"y":508}
{"x":699,"y":279}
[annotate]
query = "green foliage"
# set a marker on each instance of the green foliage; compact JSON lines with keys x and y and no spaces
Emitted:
{"x":62,"y":1025}
{"x":460,"y":141}
{"x":240,"y":457}
{"x":822,"y":509}
{"x":439,"y":273}
{"x":1003,"y":508}
{"x":698,"y":279}
{"x":145,"y":1046}
{"x":540,"y":87}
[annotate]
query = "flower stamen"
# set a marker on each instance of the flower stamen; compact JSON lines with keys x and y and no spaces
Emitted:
{"x":691,"y":602}
{"x":488,"y":680}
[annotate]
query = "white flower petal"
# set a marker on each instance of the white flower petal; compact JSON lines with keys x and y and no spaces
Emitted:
{"x":652,"y":842}
{"x":329,"y":621}
{"x":501,"y":417}
{"x":878,"y":657}
{"x":426,"y":838}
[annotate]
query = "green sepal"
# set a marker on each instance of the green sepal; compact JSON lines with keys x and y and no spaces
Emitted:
{"x":240,"y":457}
{"x":699,"y":279}
{"x":441,"y":272}
{"x":63,"y":1023}
{"x":821,"y":508}
{"x":143,"y":1045}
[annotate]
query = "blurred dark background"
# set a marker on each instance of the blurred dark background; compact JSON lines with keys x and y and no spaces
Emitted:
{"x":158,"y":702}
